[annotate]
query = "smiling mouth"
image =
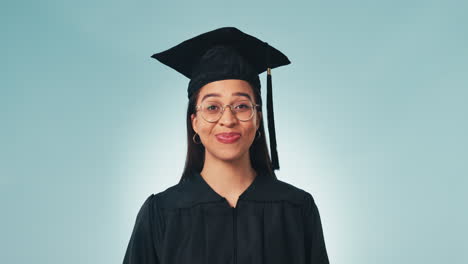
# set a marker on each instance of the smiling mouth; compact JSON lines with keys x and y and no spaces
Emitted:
{"x":228,"y":139}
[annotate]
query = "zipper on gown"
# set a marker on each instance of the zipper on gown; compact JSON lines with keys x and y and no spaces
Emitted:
{"x":234,"y":227}
{"x":234,"y":218}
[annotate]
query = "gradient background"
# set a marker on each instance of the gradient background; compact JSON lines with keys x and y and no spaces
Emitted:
{"x":371,"y":120}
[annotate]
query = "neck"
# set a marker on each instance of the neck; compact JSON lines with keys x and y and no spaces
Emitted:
{"x":228,"y":178}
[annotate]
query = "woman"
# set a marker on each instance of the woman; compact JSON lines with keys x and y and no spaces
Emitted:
{"x":229,"y":206}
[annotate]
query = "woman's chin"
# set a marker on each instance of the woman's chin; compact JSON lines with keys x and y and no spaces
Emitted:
{"x":229,"y":155}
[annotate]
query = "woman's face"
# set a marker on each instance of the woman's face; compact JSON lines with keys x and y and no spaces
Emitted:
{"x":226,"y":92}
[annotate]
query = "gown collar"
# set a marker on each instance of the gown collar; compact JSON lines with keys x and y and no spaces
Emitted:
{"x":204,"y":193}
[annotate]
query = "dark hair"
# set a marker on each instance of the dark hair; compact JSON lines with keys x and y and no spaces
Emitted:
{"x":259,"y":155}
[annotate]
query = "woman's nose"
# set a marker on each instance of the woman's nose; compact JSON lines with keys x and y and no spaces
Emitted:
{"x":228,"y":118}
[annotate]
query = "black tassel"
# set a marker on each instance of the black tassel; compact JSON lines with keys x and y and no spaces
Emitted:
{"x":271,"y":123}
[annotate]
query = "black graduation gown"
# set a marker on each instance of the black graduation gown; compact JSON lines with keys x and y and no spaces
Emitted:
{"x":189,"y":223}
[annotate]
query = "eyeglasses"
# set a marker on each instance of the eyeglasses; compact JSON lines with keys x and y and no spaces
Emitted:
{"x":212,"y":111}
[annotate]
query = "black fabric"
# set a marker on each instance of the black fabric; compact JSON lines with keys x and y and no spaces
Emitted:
{"x":220,"y":63}
{"x":273,"y":223}
{"x":187,"y":56}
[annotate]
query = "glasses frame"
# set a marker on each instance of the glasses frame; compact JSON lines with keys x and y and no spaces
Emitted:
{"x":254,"y":107}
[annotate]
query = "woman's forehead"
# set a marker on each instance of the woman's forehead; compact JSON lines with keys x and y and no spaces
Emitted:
{"x":226,"y":88}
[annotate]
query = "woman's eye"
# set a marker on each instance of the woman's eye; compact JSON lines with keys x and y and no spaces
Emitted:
{"x":242,"y":106}
{"x":212,"y":107}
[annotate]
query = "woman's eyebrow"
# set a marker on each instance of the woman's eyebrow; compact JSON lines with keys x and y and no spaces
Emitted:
{"x":234,"y":94}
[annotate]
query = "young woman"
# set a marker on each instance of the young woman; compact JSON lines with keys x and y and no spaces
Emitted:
{"x":229,"y":206}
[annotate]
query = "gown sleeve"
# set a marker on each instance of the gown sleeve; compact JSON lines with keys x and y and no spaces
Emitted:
{"x":141,"y":247}
{"x":316,"y":252}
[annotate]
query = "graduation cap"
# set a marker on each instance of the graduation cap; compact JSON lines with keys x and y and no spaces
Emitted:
{"x":227,"y":53}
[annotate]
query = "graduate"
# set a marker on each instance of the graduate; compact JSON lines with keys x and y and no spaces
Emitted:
{"x":228,"y":207}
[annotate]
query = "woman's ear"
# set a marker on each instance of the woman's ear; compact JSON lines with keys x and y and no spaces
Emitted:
{"x":259,"y":119}
{"x":194,"y":122}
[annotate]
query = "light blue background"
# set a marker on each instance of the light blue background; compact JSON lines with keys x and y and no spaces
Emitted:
{"x":371,"y":120}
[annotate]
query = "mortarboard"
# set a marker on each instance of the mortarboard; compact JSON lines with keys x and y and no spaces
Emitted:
{"x":227,"y":53}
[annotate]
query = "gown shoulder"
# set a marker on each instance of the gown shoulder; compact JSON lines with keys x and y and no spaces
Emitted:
{"x":144,"y":239}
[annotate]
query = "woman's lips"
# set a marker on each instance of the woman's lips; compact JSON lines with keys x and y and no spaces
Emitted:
{"x":228,"y":138}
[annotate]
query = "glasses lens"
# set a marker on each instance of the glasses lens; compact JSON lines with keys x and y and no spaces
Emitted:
{"x":243,"y":110}
{"x":211,"y":111}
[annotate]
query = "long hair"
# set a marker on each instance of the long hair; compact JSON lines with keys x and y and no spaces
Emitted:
{"x":259,"y":155}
